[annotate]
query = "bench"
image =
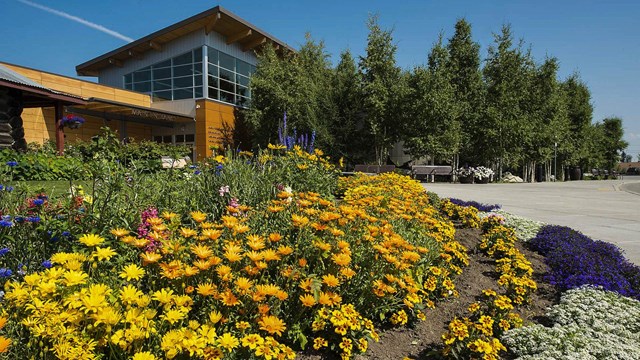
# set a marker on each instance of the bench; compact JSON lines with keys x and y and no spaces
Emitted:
{"x":427,"y":171}
{"x":371,"y":169}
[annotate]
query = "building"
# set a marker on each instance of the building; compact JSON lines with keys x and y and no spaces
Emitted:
{"x":183,"y":85}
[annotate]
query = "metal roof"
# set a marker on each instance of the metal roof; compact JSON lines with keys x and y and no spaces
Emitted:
{"x":218,"y":19}
{"x":11,"y":76}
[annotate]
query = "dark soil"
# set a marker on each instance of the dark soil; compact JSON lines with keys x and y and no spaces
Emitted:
{"x":423,"y":340}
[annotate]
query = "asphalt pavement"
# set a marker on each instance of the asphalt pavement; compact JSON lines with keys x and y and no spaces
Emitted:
{"x":607,"y":210}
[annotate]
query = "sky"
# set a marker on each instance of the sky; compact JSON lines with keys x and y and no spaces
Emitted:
{"x":598,"y":39}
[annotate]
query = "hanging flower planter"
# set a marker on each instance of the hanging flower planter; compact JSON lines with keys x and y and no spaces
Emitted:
{"x":71,"y":121}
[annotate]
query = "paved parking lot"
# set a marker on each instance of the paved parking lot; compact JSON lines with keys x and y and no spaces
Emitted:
{"x":606,"y":210}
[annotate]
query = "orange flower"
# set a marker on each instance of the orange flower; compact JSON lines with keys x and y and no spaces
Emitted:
{"x":255,"y":242}
{"x":198,"y":216}
{"x":299,"y":221}
{"x":4,"y":344}
{"x":201,"y":251}
{"x":150,"y":258}
{"x":212,"y":234}
{"x":275,"y":237}
{"x":307,"y":300}
{"x":330,"y":280}
{"x":272,"y":325}
{"x":229,"y":299}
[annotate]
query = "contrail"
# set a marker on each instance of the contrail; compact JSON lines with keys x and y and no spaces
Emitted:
{"x":77,"y":19}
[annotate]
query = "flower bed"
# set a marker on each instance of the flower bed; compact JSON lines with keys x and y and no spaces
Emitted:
{"x":576,"y":260}
{"x":475,"y":204}
{"x":255,"y":283}
{"x":478,"y":334}
{"x":589,"y":323}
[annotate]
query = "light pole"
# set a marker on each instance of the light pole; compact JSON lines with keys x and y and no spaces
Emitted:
{"x":555,"y":152}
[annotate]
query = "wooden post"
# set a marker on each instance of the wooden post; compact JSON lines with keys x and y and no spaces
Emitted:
{"x":59,"y":113}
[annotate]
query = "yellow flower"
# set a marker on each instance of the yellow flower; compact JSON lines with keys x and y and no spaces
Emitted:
{"x":74,"y":277}
{"x":198,"y":216}
{"x":252,"y":341}
{"x":319,"y":343}
{"x":276,"y":147}
{"x":207,"y":289}
{"x":272,"y":325}
{"x":104,"y":253}
{"x":119,"y":232}
{"x":228,"y":341}
{"x":132,"y":272}
{"x":145,"y":355}
{"x":91,"y":239}
{"x":215,"y":317}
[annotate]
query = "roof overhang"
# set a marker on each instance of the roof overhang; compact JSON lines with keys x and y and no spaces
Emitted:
{"x":114,"y":110}
{"x":42,"y":97}
{"x":236,"y":30}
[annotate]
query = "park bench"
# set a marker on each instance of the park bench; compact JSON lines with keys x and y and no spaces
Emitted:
{"x":430,"y":171}
{"x":370,"y":169}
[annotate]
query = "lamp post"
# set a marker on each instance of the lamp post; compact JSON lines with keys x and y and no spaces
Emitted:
{"x":555,"y":153}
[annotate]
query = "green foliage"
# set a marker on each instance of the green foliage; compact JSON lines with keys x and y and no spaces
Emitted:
{"x":296,"y":84}
{"x":383,"y":89}
{"x":435,"y":127}
{"x":612,"y":142}
{"x":41,"y":163}
{"x":466,"y":78}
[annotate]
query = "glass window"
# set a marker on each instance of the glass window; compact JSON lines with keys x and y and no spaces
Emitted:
{"x":213,"y":70}
{"x":227,"y":75}
{"x":162,"y":73}
{"x":127,"y":78}
{"x":142,"y":86}
{"x":197,"y":92}
{"x":197,"y":54}
{"x":197,"y":68}
{"x":182,"y":70}
{"x":197,"y":80}
{"x":128,"y":86}
{"x":183,"y":82}
{"x":162,"y":85}
{"x":243,"y":68}
{"x":226,"y":86}
{"x":242,"y":80}
{"x":142,"y":76}
{"x":157,"y":139}
{"x":190,"y":138}
{"x":227,"y":97}
{"x":213,"y":82}
{"x":213,"y":93}
{"x":162,"y":95}
{"x":243,"y":91}
{"x":183,"y":59}
{"x":167,"y":139}
{"x":179,"y":138}
{"x":212,"y":55}
{"x":227,"y":61}
{"x":166,"y":63}
{"x":183,"y":94}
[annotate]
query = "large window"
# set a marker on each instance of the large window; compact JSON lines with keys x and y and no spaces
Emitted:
{"x":173,"y":79}
{"x":228,"y":79}
{"x":181,"y":78}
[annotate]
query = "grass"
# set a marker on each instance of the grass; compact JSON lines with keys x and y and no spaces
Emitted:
{"x":51,"y":188}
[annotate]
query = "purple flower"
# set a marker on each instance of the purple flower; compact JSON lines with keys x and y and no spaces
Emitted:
{"x":6,"y":223}
{"x":47,"y":264}
{"x":12,"y":163}
{"x":33,"y":219}
{"x":4,"y":272}
{"x":38,"y":202}
{"x":475,"y":204}
{"x":4,"y":251}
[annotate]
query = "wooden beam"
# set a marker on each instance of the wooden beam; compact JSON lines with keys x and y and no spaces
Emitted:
{"x":115,"y":62}
{"x":239,"y":36}
{"x":135,"y":54}
{"x":155,"y":45}
{"x":255,"y":43}
{"x":209,"y":27}
{"x":59,"y":113}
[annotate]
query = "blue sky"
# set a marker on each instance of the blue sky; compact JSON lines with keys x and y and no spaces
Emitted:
{"x":599,"y":39}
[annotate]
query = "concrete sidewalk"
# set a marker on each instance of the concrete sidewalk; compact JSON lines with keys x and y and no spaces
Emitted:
{"x":606,"y":210}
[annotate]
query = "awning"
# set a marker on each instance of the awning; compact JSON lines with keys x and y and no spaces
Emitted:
{"x":114,"y":110}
